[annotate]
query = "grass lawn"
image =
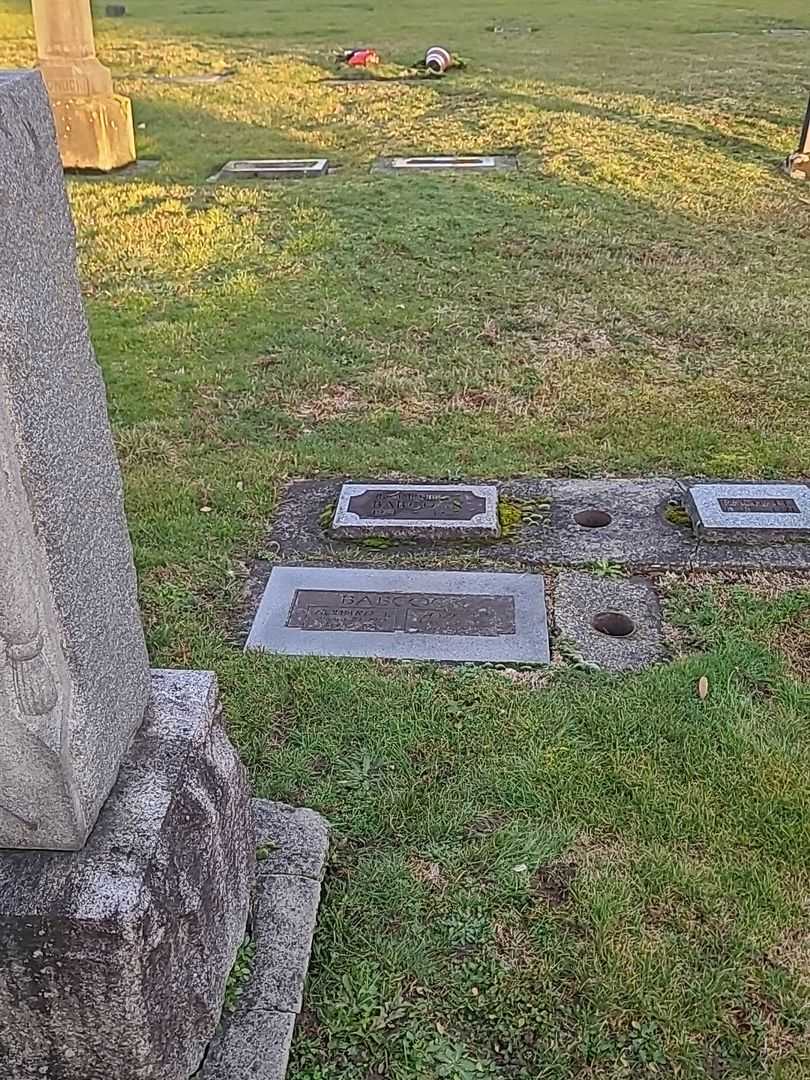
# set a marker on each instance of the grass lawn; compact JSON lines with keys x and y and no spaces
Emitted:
{"x":543,"y":875}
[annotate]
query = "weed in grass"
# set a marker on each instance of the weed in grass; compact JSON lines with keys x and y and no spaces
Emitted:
{"x":606,"y":568}
{"x":240,"y":974}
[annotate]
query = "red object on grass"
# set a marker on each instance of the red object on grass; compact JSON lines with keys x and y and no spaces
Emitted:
{"x":362,"y":57}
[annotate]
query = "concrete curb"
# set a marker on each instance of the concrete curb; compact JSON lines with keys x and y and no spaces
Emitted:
{"x":253,"y":1043}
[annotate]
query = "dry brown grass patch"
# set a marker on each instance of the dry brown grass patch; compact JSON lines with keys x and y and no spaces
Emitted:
{"x":332,"y":402}
{"x":792,"y":642}
{"x":792,"y":952}
{"x":427,"y":873}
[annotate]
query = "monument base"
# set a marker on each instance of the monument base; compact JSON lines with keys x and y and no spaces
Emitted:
{"x":115,"y":957}
{"x":797,"y":166}
{"x":94,"y":132}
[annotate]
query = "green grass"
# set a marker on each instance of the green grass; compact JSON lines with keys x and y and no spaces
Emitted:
{"x":542,"y":875}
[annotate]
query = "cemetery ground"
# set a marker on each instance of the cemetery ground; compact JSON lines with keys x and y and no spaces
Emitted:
{"x":536,"y":873}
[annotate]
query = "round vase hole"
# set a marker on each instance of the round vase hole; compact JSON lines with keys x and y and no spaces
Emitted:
{"x":613,"y":624}
{"x":593,"y":519}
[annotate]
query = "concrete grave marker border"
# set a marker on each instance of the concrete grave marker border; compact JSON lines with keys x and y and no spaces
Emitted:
{"x":564,"y":522}
{"x":615,"y":623}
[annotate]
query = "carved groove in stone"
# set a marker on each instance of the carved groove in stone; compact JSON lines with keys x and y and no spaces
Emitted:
{"x":34,"y":687}
{"x":21,"y":641}
{"x":31,"y":826}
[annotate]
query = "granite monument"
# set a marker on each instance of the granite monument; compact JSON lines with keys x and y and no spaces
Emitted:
{"x":126,"y":899}
{"x":93,"y":123}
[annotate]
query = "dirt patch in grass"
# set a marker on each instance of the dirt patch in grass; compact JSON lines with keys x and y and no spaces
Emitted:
{"x":792,"y":953}
{"x":767,"y":585}
{"x":552,"y":883}
{"x":528,"y":679}
{"x":512,"y":944}
{"x":790,"y":637}
{"x":779,"y":1037}
{"x":593,"y":852}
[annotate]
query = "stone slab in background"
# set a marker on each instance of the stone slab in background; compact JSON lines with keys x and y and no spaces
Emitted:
{"x":254,"y":1043}
{"x":404,"y":615}
{"x":131,"y":940}
{"x":274,"y":169}
{"x":797,"y":166}
{"x":74,"y":676}
{"x":447,"y":163}
{"x":209,"y":78}
{"x":614,"y":623}
{"x":749,"y":513}
{"x":417,"y":511}
{"x":143,"y":168}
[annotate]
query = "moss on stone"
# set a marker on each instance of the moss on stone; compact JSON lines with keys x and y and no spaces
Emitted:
{"x":510,"y":517}
{"x":513,"y":514}
{"x":675,"y":514}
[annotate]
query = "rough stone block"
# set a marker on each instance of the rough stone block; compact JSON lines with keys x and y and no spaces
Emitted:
{"x":115,"y":958}
{"x":95,"y":133}
{"x":74,"y":675}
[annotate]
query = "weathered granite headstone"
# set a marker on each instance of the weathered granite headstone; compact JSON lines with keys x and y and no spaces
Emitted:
{"x":74,"y":675}
{"x":409,"y":511}
{"x":753,"y":513}
{"x":403,"y":614}
{"x":93,"y":124}
{"x":115,"y":955}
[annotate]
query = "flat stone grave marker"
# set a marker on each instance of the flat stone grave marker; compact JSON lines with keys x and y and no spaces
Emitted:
{"x":750,"y":512}
{"x":410,"y":511}
{"x":447,"y":163}
{"x":212,"y":78}
{"x":274,"y":169}
{"x":403,"y":615}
